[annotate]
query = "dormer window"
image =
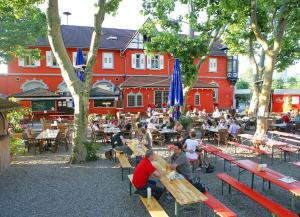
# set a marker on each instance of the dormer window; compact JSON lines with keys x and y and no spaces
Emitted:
{"x":112,"y":38}
{"x":146,"y":38}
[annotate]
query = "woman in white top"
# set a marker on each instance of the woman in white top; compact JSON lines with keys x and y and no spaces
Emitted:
{"x":191,"y":146}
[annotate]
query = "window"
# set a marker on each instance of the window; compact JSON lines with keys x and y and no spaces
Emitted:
{"x":161,"y":97}
{"x":212,"y":65}
{"x":104,"y":103}
{"x":28,"y":61}
{"x":43,"y":105}
{"x":107,"y":61}
{"x":85,"y":56}
{"x":135,"y":100}
{"x":50,"y":59}
{"x":106,"y":85}
{"x":197,"y":99}
{"x":138,"y":61}
{"x":156,"y":62}
{"x":33,"y":84}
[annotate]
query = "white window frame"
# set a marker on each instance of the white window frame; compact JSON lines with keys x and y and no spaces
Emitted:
{"x":49,"y":60}
{"x":158,"y":58}
{"x":212,"y":65}
{"x":216,"y":92}
{"x":197,"y":95}
{"x":141,"y":61}
{"x":103,"y":60}
{"x":34,"y":63}
{"x":135,"y":100}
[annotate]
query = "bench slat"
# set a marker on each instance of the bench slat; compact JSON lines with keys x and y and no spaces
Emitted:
{"x":250,"y":148}
{"x":152,"y":206}
{"x":220,"y":209}
{"x":270,"y":205}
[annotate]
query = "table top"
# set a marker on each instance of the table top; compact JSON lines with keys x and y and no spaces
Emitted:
{"x":210,"y":148}
{"x":246,"y":136}
{"x":213,"y":129}
{"x":279,"y":125}
{"x":112,"y":130}
{"x":167,"y":131}
{"x":137,"y":148}
{"x":270,"y":175}
{"x":284,"y":134}
{"x":297,"y":164}
{"x":181,"y":189}
{"x":48,"y":134}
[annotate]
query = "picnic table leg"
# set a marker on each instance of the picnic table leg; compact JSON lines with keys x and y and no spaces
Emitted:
{"x":176,"y":208}
{"x":122,"y":173}
{"x":269,"y":185}
{"x":224,"y":165}
{"x":293,"y":202}
{"x":239,"y":173}
{"x":222,"y":187}
{"x":263,"y":184}
{"x":272,"y":156}
{"x":252,"y":180}
{"x":130,"y":190}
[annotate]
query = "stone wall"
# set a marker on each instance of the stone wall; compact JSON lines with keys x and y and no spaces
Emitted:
{"x":4,"y":153}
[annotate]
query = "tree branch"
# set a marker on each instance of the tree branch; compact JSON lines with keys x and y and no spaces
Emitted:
{"x":95,"y":40}
{"x":255,"y":28}
{"x":58,"y":48}
{"x":280,"y":27}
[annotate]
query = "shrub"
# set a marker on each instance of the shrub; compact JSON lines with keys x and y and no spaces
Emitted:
{"x":16,"y":146}
{"x":91,"y":149}
{"x":187,"y":122}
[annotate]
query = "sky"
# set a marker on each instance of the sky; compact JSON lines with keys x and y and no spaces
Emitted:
{"x":128,"y":17}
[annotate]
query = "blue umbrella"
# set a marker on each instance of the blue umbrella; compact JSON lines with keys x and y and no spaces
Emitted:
{"x":176,"y":93}
{"x":78,"y":64}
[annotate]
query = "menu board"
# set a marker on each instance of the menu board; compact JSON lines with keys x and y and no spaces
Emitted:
{"x":43,"y":105}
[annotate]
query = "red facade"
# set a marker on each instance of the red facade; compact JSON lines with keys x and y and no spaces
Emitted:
{"x":20,"y":78}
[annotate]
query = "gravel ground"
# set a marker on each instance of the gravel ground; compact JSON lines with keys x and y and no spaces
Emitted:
{"x":46,"y":185}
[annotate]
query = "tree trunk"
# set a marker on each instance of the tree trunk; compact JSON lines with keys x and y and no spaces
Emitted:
{"x":264,"y":96}
{"x":79,"y":152}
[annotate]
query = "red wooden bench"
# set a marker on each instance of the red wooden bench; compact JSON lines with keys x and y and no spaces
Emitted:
{"x":289,"y":149}
{"x":226,"y":157}
{"x":273,"y":207}
{"x":218,"y":208}
{"x":250,"y":148}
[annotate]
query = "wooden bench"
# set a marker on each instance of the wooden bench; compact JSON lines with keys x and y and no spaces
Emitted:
{"x":124,"y":163}
{"x":218,"y":208}
{"x":152,"y":206}
{"x":250,"y":148}
{"x":273,"y":207}
{"x":297,"y":163}
{"x":289,"y":149}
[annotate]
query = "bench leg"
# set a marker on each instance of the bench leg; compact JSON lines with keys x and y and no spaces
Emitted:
{"x":239,"y":173}
{"x":224,"y":165}
{"x":272,"y":156}
{"x":230,"y":164}
{"x":130,"y":188}
{"x":293,"y":202}
{"x":176,"y":209}
{"x":263,"y":184}
{"x":122,"y":173}
{"x":252,"y":181}
{"x":222,"y":187}
{"x":269,"y":185}
{"x":229,"y":189}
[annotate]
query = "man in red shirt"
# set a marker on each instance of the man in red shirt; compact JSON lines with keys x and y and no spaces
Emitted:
{"x":141,"y":176}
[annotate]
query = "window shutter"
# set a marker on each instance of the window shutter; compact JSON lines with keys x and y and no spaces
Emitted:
{"x":161,"y":62}
{"x":74,"y":55}
{"x":142,"y":61}
{"x":148,"y":62}
{"x":133,"y":61}
{"x":37,"y":63}
{"x":21,"y":61}
{"x":49,"y":58}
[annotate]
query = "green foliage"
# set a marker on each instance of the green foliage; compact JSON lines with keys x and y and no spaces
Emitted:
{"x":21,"y":23}
{"x":186,"y":122}
{"x":110,"y":117}
{"x":291,"y":83}
{"x":16,"y":116}
{"x":91,"y":149}
{"x":188,"y":48}
{"x":16,"y":146}
{"x":242,"y":84}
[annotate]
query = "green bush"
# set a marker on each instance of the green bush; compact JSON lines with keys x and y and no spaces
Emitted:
{"x":19,"y":130}
{"x":16,"y":146}
{"x":187,"y":122}
{"x":91,"y":149}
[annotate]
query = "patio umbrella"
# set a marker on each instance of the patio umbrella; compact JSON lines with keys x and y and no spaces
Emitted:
{"x":78,"y":64}
{"x":176,"y":93}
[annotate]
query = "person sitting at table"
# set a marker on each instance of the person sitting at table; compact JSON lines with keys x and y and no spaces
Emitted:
{"x":297,"y":117}
{"x":190,"y":146}
{"x":118,"y":143}
{"x":205,"y":125}
{"x":151,"y":125}
{"x":142,"y":174}
{"x":180,"y":162}
{"x":222,"y":125}
{"x":233,"y":129}
{"x":216,"y":113}
{"x":178,"y":126}
{"x":95,"y":126}
{"x":286,"y":118}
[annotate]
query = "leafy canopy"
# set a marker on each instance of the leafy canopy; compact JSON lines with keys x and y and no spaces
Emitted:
{"x":21,"y":23}
{"x":205,"y":20}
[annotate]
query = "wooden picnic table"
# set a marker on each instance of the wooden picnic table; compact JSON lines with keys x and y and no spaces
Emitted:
{"x":245,"y":136}
{"x":137,"y":147}
{"x":47,"y":135}
{"x":111,"y":130}
{"x":181,"y":189}
{"x":271,"y":176}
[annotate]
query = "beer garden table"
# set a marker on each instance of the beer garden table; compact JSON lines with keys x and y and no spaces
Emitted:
{"x":47,"y":135}
{"x":271,"y":176}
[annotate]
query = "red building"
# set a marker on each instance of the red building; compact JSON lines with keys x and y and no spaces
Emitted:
{"x":122,"y":72}
{"x":285,"y":100}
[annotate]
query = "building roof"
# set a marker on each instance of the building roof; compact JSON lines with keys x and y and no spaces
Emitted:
{"x":80,"y":37}
{"x":155,"y":81}
{"x":37,"y":92}
{"x":287,"y":91}
{"x":6,"y":105}
{"x":100,"y":92}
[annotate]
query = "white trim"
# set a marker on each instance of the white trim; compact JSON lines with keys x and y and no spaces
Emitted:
{"x":135,"y":100}
{"x":104,"y":81}
{"x":287,"y":91}
{"x":44,"y":98}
